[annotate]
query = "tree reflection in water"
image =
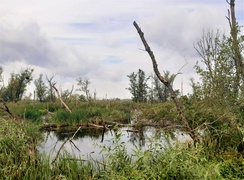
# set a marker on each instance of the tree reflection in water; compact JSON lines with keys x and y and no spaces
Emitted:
{"x":83,"y":143}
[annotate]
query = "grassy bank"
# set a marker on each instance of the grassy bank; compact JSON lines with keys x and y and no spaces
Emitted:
{"x":83,"y":112}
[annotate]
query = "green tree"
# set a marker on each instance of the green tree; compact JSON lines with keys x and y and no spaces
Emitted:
{"x":138,"y":86}
{"x":222,"y":68}
{"x":133,"y":85}
{"x":220,"y":90}
{"x":83,"y":84}
{"x":218,"y":73}
{"x":161,"y":92}
{"x":17,"y":85}
{"x":41,"y":88}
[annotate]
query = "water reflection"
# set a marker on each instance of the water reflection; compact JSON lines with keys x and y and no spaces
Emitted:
{"x":88,"y":142}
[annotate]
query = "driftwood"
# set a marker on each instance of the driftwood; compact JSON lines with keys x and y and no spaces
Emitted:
{"x":179,"y":108}
{"x":167,"y":124}
{"x":96,"y":126}
{"x":60,"y":98}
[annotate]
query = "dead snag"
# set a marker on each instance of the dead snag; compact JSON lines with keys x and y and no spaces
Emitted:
{"x":60,"y":98}
{"x":192,"y":133}
{"x":237,"y":56}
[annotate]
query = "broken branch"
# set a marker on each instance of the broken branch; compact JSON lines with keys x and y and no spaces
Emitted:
{"x":166,"y":83}
{"x":53,"y":85}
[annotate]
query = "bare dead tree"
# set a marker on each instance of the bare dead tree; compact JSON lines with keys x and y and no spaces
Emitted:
{"x":179,"y":108}
{"x":238,"y":59}
{"x":66,"y":94}
{"x":60,"y":98}
{"x":50,"y":83}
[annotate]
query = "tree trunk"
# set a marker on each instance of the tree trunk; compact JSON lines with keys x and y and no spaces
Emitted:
{"x":238,"y":60}
{"x":60,"y":98}
{"x":192,"y":133}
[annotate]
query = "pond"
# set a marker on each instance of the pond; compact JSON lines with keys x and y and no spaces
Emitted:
{"x":89,"y":142}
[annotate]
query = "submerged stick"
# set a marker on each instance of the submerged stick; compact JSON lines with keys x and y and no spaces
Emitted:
{"x":61,"y":147}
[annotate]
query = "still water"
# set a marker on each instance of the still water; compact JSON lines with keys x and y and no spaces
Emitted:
{"x":88,"y":142}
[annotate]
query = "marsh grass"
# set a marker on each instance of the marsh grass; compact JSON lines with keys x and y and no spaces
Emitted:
{"x":18,"y":141}
{"x":102,"y":110}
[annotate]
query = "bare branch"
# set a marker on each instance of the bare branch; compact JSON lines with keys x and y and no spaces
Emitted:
{"x":53,"y":85}
{"x":61,"y":147}
{"x":181,"y":69}
{"x":167,"y":84}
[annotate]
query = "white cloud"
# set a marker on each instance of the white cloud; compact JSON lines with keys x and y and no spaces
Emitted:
{"x":96,"y":39}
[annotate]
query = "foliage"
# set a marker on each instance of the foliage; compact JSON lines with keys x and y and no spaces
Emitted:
{"x":19,"y":160}
{"x":218,"y":73}
{"x":160,"y":91}
{"x":220,"y":125}
{"x":41,"y":88}
{"x":158,"y":162}
{"x":215,"y":105}
{"x":17,"y":85}
{"x":94,"y":111}
{"x":18,"y":143}
{"x":138,"y":86}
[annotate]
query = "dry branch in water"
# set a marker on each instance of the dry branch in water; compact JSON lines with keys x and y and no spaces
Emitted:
{"x":167,"y":84}
{"x":68,"y":139}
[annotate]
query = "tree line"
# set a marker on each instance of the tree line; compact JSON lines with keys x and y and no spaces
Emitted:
{"x":44,"y":91}
{"x":139,"y":87}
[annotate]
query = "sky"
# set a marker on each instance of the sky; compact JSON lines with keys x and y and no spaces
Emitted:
{"x":96,"y":39}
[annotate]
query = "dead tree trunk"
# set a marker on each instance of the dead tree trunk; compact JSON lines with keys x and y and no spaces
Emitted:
{"x":238,"y":60}
{"x":192,"y":133}
{"x":60,"y":98}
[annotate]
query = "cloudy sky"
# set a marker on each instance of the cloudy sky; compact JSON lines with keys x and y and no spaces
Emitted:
{"x":96,"y":38}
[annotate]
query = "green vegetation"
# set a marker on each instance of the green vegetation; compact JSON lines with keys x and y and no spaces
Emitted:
{"x":138,"y":86}
{"x":16,"y":85}
{"x":19,"y":160}
{"x":218,"y":156}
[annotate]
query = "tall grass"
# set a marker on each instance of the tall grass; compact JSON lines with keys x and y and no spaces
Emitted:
{"x":109,"y":110}
{"x":18,"y":143}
